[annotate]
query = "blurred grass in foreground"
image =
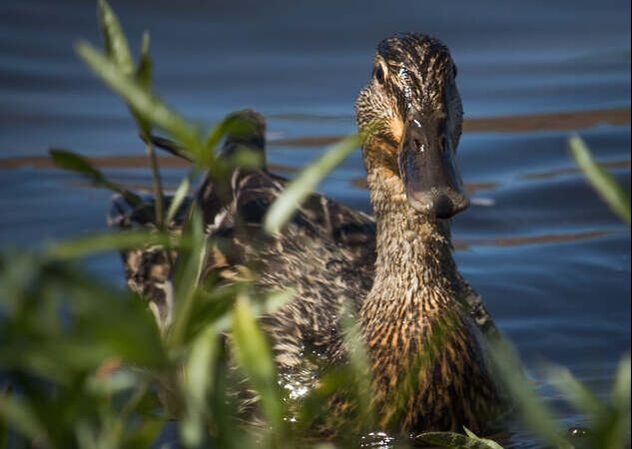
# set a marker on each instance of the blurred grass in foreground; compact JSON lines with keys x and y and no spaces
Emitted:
{"x":603,"y":182}
{"x":84,"y":365}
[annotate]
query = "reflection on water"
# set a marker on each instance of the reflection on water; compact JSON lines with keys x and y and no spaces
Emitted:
{"x":551,"y":261}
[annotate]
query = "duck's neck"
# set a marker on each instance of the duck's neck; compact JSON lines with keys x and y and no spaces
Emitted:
{"x":415,"y":274}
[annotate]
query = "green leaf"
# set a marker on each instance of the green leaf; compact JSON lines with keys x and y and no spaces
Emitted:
{"x":118,"y":381}
{"x":5,"y":395}
{"x":150,"y":107}
{"x":215,"y":135}
{"x":21,"y":417}
{"x":143,"y":75}
{"x":73,"y":162}
{"x":144,"y":69}
{"x":620,"y":396}
{"x":187,"y":278}
{"x":614,"y":429}
{"x":358,"y":364}
{"x":273,"y":301}
{"x":99,"y":329}
{"x":145,"y":434}
{"x":534,"y":412}
{"x":254,"y":356}
{"x":115,"y":41}
{"x":178,"y":197}
{"x":240,"y":125}
{"x":283,"y":208}
{"x":119,"y":241}
{"x":457,"y":441}
{"x":70,"y":161}
{"x":492,"y":444}
{"x":215,"y":303}
{"x":246,"y":157}
{"x":234,"y":124}
{"x":603,"y":182}
{"x":200,"y":378}
{"x":574,"y":392}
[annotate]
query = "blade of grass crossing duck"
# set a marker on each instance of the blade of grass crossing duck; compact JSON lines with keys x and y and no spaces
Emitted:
{"x":178,"y":197}
{"x":200,"y":379}
{"x":254,"y":356}
{"x":283,"y":208}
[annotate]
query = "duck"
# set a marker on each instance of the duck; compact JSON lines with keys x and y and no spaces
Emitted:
{"x":423,"y":326}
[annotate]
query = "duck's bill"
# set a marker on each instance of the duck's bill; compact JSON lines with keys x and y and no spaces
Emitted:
{"x":429,"y":171}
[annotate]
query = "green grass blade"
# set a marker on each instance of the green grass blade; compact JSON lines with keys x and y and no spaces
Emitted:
{"x":273,"y":301}
{"x":534,"y":412}
{"x":574,"y":392}
{"x":178,"y":197}
{"x":359,"y":365}
{"x":200,"y":378}
{"x":233,"y":124}
{"x":144,"y":69}
{"x":21,"y":417}
{"x":150,"y":107}
{"x":5,"y":395}
{"x":215,"y":135}
{"x":282,"y":209}
{"x":454,"y":440}
{"x":70,"y":161}
{"x":490,"y":443}
{"x":620,"y":396}
{"x":187,"y":279}
{"x":115,"y":40}
{"x":255,"y":358}
{"x":98,"y":243}
{"x":604,"y":183}
{"x":73,"y":162}
{"x":143,"y":76}
{"x":615,"y":426}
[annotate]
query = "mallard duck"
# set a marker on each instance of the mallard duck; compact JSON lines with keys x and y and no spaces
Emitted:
{"x":422,"y":324}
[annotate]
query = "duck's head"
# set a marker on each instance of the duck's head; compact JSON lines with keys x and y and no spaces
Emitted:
{"x":245,"y":130}
{"x":412,"y":111}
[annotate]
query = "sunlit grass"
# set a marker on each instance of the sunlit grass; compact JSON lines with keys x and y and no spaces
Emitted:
{"x":603,"y":182}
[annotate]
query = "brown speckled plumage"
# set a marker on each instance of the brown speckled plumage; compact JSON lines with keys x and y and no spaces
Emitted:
{"x":420,"y":320}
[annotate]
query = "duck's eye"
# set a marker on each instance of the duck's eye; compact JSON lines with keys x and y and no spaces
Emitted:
{"x":379,"y":73}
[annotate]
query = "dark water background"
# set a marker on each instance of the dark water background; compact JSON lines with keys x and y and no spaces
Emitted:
{"x":551,"y":261}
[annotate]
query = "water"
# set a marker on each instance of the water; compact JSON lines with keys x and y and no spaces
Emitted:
{"x":551,"y":261}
